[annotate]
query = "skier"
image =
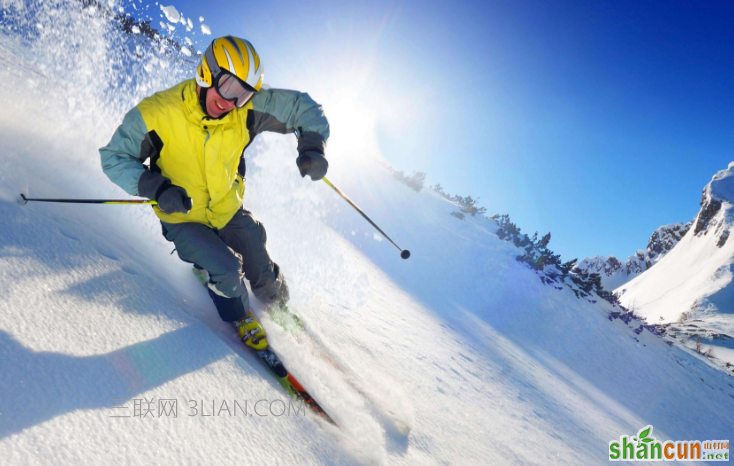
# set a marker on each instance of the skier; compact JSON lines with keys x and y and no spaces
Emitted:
{"x":195,"y":135}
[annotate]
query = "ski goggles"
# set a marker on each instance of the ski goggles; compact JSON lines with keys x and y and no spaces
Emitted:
{"x":232,"y":89}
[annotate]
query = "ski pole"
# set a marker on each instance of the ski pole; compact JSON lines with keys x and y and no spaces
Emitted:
{"x":404,"y":253}
{"x":25,"y":200}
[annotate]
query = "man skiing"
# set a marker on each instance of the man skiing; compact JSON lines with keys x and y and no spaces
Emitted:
{"x":195,"y":135}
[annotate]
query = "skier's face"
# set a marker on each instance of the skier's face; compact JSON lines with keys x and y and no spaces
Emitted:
{"x":217,"y":106}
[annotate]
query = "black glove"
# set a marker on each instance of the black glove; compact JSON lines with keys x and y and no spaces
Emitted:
{"x":174,"y":199}
{"x":313,"y":164}
{"x":170,"y":198}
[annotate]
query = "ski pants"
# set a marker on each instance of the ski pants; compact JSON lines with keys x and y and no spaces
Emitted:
{"x":230,"y":255}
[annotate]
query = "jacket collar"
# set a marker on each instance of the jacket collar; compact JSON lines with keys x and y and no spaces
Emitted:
{"x":193,"y":109}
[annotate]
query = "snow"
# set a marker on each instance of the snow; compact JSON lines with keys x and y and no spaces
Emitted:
{"x":690,"y":272}
{"x":611,"y":277}
{"x":614,"y":273}
{"x":722,"y":185}
{"x":461,"y":342}
{"x":167,"y":26}
{"x":205,"y":29}
{"x":692,"y":287}
{"x":171,"y":13}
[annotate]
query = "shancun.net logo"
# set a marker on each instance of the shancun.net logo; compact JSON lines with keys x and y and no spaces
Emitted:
{"x":644,"y":447}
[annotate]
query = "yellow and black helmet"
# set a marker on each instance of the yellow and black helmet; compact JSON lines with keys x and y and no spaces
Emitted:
{"x":232,"y":54}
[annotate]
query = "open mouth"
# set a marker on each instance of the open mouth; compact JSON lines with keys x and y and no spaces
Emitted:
{"x":219,"y":106}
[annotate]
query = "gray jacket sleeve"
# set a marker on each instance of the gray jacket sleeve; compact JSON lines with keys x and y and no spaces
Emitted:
{"x":122,"y":160}
{"x":286,"y":111}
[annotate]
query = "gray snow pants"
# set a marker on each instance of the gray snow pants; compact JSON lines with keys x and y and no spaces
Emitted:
{"x":230,"y":255}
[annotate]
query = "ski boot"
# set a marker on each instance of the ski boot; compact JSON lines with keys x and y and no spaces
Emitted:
{"x":251,"y":332}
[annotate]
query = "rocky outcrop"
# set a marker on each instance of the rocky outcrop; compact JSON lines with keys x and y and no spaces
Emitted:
{"x":722,"y":239}
{"x":709,"y":208}
{"x":615,"y":273}
{"x":665,"y":238}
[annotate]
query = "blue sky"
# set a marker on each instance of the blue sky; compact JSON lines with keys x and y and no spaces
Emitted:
{"x":595,"y":120}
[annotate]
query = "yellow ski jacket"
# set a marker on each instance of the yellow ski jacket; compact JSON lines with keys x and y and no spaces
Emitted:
{"x":205,"y":156}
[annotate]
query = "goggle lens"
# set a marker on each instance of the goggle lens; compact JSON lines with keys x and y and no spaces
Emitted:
{"x":230,"y":88}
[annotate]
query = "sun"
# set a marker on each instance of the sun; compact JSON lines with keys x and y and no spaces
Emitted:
{"x":353,"y":124}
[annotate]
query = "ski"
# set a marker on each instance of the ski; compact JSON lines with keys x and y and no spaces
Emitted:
{"x":292,"y":386}
{"x":276,"y":366}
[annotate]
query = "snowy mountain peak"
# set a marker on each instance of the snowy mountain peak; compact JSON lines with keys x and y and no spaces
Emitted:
{"x":721,"y":186}
{"x":695,"y":280}
{"x":615,"y":273}
{"x":715,"y":215}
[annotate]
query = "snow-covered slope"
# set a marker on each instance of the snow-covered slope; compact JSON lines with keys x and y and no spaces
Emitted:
{"x":692,"y":285}
{"x":461,"y":342}
{"x":615,"y":273}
